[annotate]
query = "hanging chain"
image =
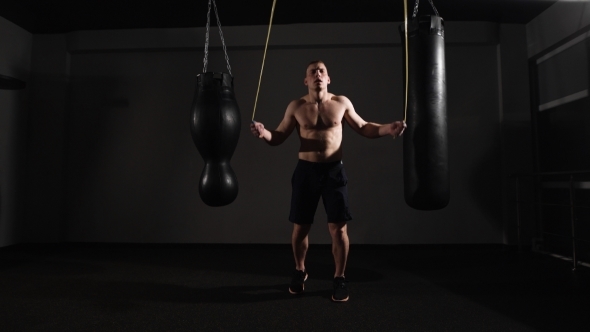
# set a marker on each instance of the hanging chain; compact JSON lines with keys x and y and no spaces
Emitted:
{"x":221,"y":35}
{"x":416,"y":8}
{"x":205,"y":60}
{"x":432,"y":4}
{"x":207,"y":40}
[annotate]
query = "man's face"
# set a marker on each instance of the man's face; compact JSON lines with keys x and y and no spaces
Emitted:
{"x":317,"y":76}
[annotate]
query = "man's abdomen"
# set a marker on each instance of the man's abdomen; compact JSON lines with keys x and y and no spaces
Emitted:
{"x":321,"y":146}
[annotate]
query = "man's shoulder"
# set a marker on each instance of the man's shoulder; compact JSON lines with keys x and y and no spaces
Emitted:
{"x":340,"y":98}
{"x":296,"y":103}
{"x":300,"y":101}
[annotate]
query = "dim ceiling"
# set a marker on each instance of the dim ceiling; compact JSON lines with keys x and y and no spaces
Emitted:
{"x":61,"y":16}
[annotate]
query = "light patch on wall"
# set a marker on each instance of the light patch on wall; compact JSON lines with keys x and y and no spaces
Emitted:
{"x":563,"y":76}
{"x":564,"y":47}
{"x":564,"y":100}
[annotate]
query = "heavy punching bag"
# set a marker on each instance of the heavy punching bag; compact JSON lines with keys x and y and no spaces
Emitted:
{"x":215,"y":129}
{"x":426,"y":169}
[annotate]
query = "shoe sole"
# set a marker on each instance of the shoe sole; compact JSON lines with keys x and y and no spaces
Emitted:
{"x":302,"y":287}
{"x":343,"y":300}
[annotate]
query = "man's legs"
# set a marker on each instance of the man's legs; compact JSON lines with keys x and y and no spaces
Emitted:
{"x":340,"y":252}
{"x":339,"y":246}
{"x":300,"y":243}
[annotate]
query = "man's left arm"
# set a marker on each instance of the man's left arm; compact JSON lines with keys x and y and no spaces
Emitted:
{"x":370,"y":129}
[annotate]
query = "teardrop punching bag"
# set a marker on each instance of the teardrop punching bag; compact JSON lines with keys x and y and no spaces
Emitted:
{"x":426,"y":166}
{"x":215,"y":128}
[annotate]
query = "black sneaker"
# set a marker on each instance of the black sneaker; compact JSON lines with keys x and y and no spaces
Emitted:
{"x":299,"y":278}
{"x":340,"y":290}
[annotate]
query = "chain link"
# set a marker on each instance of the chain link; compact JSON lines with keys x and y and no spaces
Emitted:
{"x":205,"y":60}
{"x":416,"y":8}
{"x":432,"y":4}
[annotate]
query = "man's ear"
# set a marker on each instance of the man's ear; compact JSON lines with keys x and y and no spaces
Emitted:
{"x":305,"y":81}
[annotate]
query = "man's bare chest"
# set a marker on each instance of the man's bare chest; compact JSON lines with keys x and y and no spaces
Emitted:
{"x":320,"y":116}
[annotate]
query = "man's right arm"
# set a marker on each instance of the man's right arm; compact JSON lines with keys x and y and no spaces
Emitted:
{"x":285,"y":128}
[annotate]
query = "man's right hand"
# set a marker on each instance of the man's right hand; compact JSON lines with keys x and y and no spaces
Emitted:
{"x":257,"y":129}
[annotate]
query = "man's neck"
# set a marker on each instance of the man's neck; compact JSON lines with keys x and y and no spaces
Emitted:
{"x":319,"y":96}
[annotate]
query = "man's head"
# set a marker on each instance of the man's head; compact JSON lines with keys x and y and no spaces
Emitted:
{"x":316,"y":75}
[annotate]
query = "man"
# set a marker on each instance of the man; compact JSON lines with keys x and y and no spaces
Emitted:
{"x":318,"y":117}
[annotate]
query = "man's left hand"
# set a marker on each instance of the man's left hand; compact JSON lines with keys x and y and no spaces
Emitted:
{"x":397,"y":128}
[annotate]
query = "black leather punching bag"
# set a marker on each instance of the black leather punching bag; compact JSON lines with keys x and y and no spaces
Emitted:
{"x":426,"y":166}
{"x":215,"y":128}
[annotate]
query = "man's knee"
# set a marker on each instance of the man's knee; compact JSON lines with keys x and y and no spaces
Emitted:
{"x":337,"y":229}
{"x":301,"y":230}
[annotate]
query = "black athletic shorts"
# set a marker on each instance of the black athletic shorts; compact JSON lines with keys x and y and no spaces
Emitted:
{"x":311,"y":181}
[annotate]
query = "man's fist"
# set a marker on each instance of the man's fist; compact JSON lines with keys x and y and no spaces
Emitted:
{"x":257,"y":129}
{"x":397,"y":128}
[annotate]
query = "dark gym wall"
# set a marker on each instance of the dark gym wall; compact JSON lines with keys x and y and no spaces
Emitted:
{"x":558,"y":48}
{"x":515,"y":122}
{"x":44,"y":216}
{"x":561,"y":20}
{"x":562,"y":80}
{"x":15,"y":61}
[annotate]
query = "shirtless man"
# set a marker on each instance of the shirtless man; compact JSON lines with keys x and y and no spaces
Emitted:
{"x":318,"y":117}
